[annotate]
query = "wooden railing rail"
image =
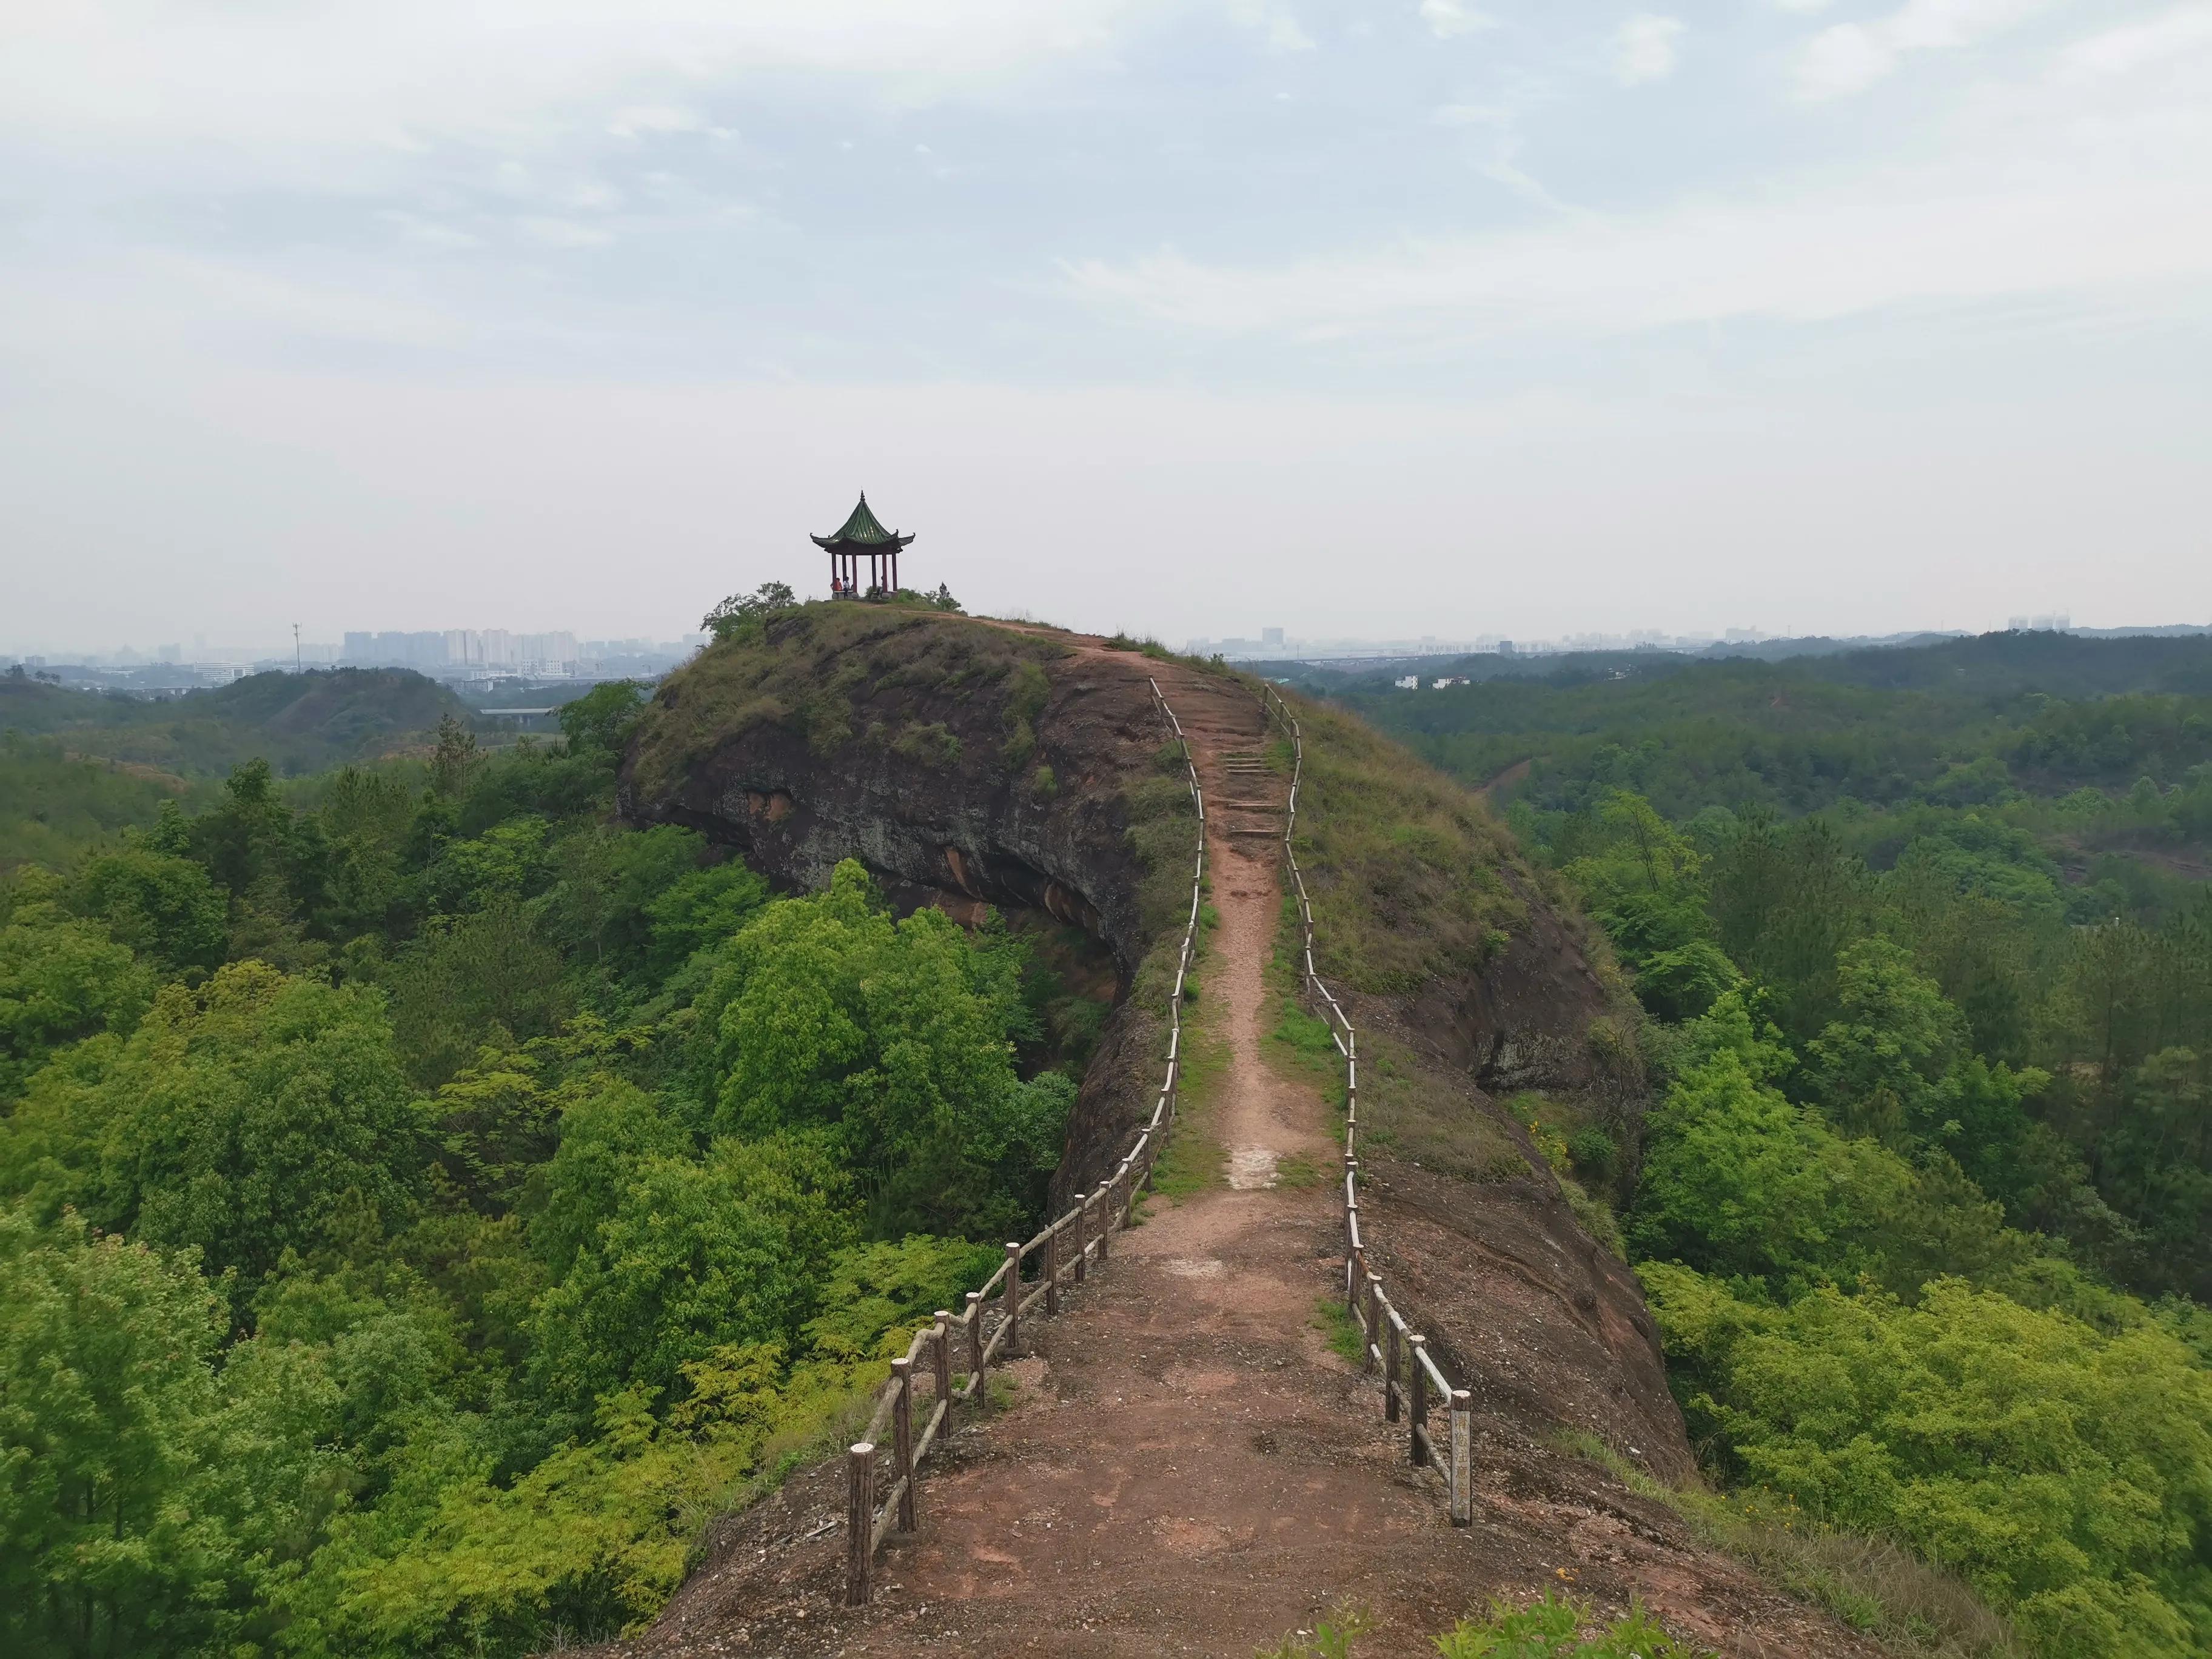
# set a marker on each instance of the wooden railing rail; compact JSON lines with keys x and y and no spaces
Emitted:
{"x":1387,"y":1342}
{"x":989,"y":1328}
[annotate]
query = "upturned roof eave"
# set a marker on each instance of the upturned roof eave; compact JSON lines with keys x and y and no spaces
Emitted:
{"x":891,"y":541}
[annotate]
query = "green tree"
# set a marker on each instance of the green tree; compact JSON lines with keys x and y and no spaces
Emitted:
{"x":735,"y":613}
{"x":166,"y":908}
{"x":701,"y":908}
{"x":1738,"y":1181}
{"x":455,"y":759}
{"x":61,"y":980}
{"x":1786,"y":901}
{"x":607,"y":1128}
{"x":891,"y":1038}
{"x":1646,"y":882}
{"x":1879,"y":1067}
{"x":148,"y":1501}
{"x":690,"y":1257}
{"x":2067,"y":1473}
{"x":488,"y":978}
{"x":252,"y":1116}
{"x":601,"y":719}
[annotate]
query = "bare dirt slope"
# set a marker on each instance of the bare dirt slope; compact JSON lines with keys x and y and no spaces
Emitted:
{"x":1185,"y":1467}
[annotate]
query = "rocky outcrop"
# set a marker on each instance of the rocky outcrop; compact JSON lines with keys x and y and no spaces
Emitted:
{"x":944,"y":821}
{"x":963,"y":765}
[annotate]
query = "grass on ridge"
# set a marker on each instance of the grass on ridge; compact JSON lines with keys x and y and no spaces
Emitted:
{"x":1338,"y":1328}
{"x":1401,"y":863}
{"x":1913,"y":1609}
{"x":1193,"y":1158}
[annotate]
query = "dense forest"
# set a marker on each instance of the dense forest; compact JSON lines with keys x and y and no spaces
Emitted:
{"x":75,"y":765}
{"x":1923,"y":1198}
{"x":423,"y":1201}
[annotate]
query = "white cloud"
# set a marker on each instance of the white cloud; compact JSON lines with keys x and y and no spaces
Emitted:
{"x":1272,"y":24}
{"x":1644,"y":48}
{"x":1849,"y":57}
{"x":655,"y":119}
{"x":551,"y":231}
{"x":2139,"y":45}
{"x":1448,"y":20}
{"x":404,"y":71}
{"x":2094,"y":190}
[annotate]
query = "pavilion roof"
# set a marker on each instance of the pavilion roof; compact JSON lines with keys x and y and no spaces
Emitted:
{"x":862,"y":529}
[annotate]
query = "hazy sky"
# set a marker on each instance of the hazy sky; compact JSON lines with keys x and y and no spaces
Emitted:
{"x":1431,"y":316}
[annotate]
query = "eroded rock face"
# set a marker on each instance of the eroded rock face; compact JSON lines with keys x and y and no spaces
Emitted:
{"x":945,"y":833}
{"x":941,"y":823}
{"x":958,"y":824}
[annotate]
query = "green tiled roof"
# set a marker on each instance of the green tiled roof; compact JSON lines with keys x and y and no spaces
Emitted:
{"x":863,"y":529}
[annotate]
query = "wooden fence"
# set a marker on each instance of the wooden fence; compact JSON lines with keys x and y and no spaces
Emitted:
{"x":1409,"y":1373}
{"x":989,"y":1328}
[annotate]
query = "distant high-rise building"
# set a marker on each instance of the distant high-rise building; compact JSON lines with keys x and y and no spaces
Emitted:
{"x":551,"y":654}
{"x":1271,"y":636}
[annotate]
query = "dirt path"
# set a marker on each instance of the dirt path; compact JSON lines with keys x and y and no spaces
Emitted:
{"x":1185,"y":1467}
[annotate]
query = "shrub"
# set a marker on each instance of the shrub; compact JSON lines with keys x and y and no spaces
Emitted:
{"x":2063,"y":1473}
{"x":1560,"y":1627}
{"x":1594,"y":1151}
{"x":931,"y":744}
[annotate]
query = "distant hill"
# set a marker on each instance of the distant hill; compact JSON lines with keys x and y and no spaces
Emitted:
{"x":300,"y":722}
{"x":1994,"y":667}
{"x":1957,"y":722}
{"x":1986,"y":668}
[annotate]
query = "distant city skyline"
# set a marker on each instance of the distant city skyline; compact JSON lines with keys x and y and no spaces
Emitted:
{"x":456,"y":652}
{"x":437,"y":652}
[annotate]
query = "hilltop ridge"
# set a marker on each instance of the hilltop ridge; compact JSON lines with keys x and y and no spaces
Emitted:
{"x":965,"y":762}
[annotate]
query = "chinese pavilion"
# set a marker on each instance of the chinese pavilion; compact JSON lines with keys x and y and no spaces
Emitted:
{"x":862,"y":536}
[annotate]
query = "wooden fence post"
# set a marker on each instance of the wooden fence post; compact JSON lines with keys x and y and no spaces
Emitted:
{"x":1013,"y":1297}
{"x":1082,"y":1243}
{"x":1105,"y":1219}
{"x":902,"y":1439}
{"x":943,"y":1355}
{"x":1390,"y":1369}
{"x":860,"y":1522}
{"x":1369,"y":1333}
{"x":1052,"y":1270}
{"x":1417,"y":1407}
{"x":1462,"y":1458}
{"x":975,"y":1346}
